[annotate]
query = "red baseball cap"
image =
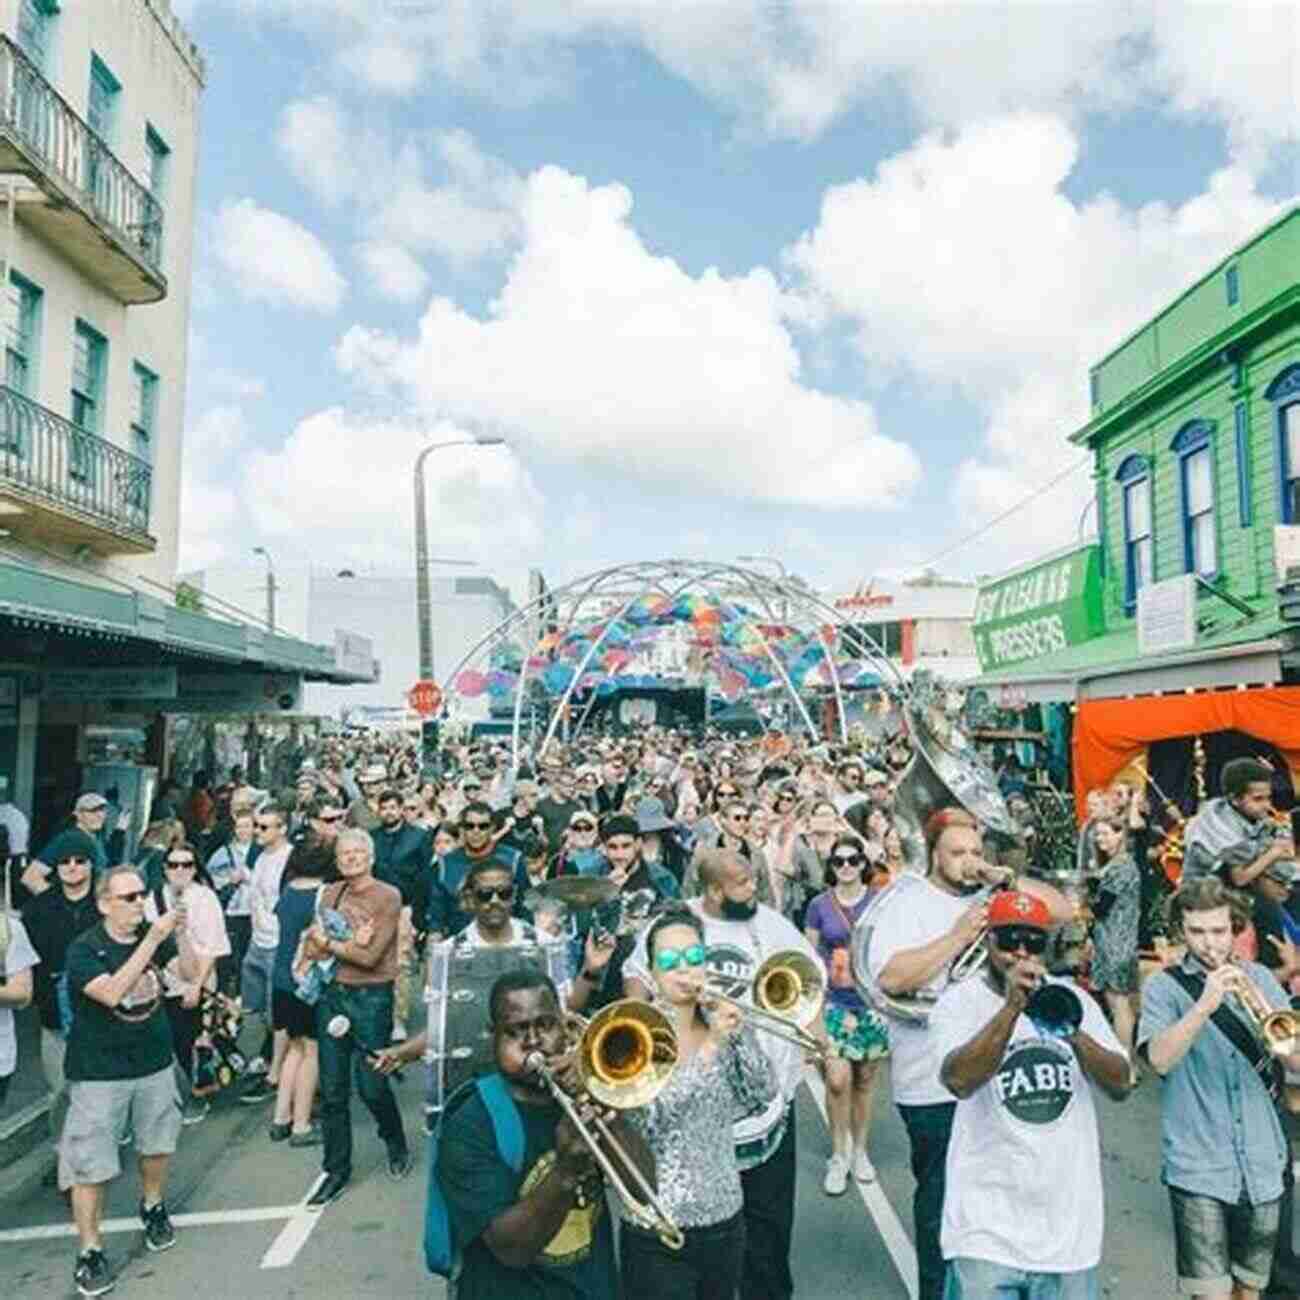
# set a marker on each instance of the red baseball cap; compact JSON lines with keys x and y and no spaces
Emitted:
{"x":1011,"y":907}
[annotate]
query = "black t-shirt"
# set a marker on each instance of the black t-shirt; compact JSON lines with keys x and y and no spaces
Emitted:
{"x":130,"y":1040}
{"x":52,"y":923}
{"x":577,"y":1263}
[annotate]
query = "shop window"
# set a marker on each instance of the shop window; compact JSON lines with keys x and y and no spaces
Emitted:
{"x":1194,"y":446}
{"x":1232,"y":285}
{"x":1284,"y":394}
{"x":1134,"y":478}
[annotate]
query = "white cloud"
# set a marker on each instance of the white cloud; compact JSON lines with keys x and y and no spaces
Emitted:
{"x":1000,"y":286}
{"x":393,"y":272}
{"x":273,"y":259}
{"x":597,"y":351}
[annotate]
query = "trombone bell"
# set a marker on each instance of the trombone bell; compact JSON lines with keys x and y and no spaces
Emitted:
{"x":626,"y":1054}
{"x":790,"y":986}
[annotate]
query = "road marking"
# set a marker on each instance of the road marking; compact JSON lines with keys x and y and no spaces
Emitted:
{"x":200,"y":1219}
{"x":293,"y":1236}
{"x":887,"y":1222}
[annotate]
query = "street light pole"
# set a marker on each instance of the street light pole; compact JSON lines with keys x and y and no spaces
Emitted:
{"x":270,"y":586}
{"x":423,"y":600}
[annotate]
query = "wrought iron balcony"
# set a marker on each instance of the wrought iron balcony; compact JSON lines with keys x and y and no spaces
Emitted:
{"x":59,"y":482}
{"x":88,"y":204}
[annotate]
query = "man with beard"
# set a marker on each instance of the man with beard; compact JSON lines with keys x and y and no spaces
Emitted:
{"x":538,"y":1229}
{"x":912,"y":949}
{"x":404,"y":859}
{"x":732,"y":838}
{"x":740,"y":933}
{"x":447,"y":915}
{"x":1025,"y":1112}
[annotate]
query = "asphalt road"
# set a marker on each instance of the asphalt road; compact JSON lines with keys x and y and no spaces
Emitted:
{"x":251,"y":1239}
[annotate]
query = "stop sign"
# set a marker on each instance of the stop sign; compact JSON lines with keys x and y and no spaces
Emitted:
{"x":425,"y":697}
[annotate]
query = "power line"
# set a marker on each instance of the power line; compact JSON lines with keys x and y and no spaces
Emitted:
{"x":1006,"y":514}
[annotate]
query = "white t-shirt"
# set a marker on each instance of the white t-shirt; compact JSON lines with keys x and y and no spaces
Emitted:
{"x":15,"y":821}
{"x":521,"y":933}
{"x":923,"y":914}
{"x":203,"y":936}
{"x":265,"y":893}
{"x":19,"y":956}
{"x":736,"y":950}
{"x":845,"y":799}
{"x":1024,"y":1163}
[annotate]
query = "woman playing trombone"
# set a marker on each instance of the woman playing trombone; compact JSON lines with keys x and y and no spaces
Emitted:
{"x":721,"y":1072}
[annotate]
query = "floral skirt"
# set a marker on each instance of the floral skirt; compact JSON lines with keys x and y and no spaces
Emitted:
{"x":856,"y":1035}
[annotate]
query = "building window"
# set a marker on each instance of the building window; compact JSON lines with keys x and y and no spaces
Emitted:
{"x":1241,"y":435}
{"x":101,"y":113}
{"x":1194,"y":446}
{"x":22,"y":334}
{"x":1094,"y":389}
{"x":159,"y":169}
{"x":144,"y":411}
{"x":1284,"y":393}
{"x":89,"y":364}
{"x":1232,"y":286}
{"x":36,"y":30}
{"x":1134,"y":476}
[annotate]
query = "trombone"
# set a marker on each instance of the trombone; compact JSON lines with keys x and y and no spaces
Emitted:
{"x":788,"y":990}
{"x":625,"y":1054}
{"x":1278,"y":1032}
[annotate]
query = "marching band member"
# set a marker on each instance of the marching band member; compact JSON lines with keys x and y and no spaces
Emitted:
{"x":1223,"y":1147}
{"x":1024,"y":1113}
{"x":912,"y":950}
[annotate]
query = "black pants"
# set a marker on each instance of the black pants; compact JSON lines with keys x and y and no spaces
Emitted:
{"x":184,"y":1022}
{"x":928,"y":1131}
{"x":708,"y":1266}
{"x":1286,"y":1266}
{"x":239,"y":930}
{"x":769,"y":1222}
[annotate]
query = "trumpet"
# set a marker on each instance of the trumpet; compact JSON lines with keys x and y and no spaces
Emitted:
{"x":1278,"y":1032}
{"x":787,"y":993}
{"x":625,"y":1054}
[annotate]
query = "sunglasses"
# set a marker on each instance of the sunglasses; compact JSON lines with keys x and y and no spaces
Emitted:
{"x":485,"y":893}
{"x":582,"y":826}
{"x":74,"y":862}
{"x":180,"y":862}
{"x":671,"y":958}
{"x":847,"y":860}
{"x":267,"y":826}
{"x":331,"y":817}
{"x":738,"y":816}
{"x":1011,"y":937}
{"x":785,"y":798}
{"x":133,"y":897}
{"x":477,"y":826}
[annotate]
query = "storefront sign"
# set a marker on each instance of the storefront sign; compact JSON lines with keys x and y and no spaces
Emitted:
{"x":1039,"y":611}
{"x":1166,"y":615}
{"x":227,"y":693}
{"x":111,"y":683}
{"x":865,"y":597}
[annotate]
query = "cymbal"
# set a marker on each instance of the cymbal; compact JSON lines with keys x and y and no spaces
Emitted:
{"x":579,"y":891}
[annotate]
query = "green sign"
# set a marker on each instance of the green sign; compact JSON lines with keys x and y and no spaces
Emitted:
{"x":1040,"y":610}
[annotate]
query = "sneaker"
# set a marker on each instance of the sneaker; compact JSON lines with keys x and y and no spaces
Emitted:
{"x":863,"y":1170}
{"x":92,"y":1275}
{"x":333,"y":1186}
{"x":195,"y":1111}
{"x":309,"y":1137}
{"x":261,"y":1089}
{"x":399,"y":1032}
{"x":837,"y":1175}
{"x":279,"y":1132}
{"x":158,"y":1231}
{"x":399,"y":1162}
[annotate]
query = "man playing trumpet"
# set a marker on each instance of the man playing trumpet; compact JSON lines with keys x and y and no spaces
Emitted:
{"x":1019,"y":1050}
{"x":1207,"y":1030}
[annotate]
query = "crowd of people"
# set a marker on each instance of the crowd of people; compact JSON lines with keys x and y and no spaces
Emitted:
{"x":323,"y":915}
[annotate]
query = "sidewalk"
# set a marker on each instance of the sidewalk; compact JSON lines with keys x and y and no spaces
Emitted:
{"x":22,"y":1117}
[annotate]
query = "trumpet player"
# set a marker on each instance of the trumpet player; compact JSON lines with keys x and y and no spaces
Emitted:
{"x":913,"y":951}
{"x":541,"y":1229}
{"x":721,"y":1071}
{"x":1022,"y":1075}
{"x":1205,"y":1029}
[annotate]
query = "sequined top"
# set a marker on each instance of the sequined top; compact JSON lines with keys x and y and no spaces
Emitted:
{"x":688,"y":1128}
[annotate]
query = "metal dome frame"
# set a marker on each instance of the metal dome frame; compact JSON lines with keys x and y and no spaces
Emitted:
{"x":781,"y":601}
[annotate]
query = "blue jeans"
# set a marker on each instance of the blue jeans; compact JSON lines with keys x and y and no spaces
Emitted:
{"x":978,"y":1279}
{"x":370,"y":1009}
{"x":928,"y":1131}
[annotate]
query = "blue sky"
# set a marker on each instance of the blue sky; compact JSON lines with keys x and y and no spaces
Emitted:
{"x":819,"y":281}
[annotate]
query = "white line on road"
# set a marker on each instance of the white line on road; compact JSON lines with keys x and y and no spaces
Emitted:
{"x":887,"y":1222}
{"x":293,"y":1236}
{"x":202,"y":1218}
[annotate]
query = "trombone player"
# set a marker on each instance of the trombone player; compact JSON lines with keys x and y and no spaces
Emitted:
{"x":1219,"y":1032}
{"x":912,"y":952}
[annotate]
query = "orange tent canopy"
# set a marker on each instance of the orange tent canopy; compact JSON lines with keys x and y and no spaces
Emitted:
{"x":1110,"y":734}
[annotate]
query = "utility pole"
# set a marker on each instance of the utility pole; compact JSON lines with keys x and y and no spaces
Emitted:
{"x":270,"y":586}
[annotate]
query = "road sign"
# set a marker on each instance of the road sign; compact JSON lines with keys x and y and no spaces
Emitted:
{"x":425,"y":697}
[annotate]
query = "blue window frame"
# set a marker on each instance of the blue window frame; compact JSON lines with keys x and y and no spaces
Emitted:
{"x":1094,"y":389}
{"x":22,"y":334}
{"x":144,"y":422}
{"x":36,"y":30}
{"x":101,"y":100}
{"x":1134,"y":478}
{"x":1194,"y":446}
{"x":1284,"y":394}
{"x":159,"y":171}
{"x":1241,"y":436}
{"x":1232,"y":285}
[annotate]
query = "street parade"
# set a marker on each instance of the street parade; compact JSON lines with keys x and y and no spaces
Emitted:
{"x":649,"y":651}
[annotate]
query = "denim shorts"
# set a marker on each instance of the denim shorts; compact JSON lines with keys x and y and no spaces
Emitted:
{"x":102,"y":1112}
{"x":981,"y":1279}
{"x":1217,"y":1242}
{"x":255,"y":979}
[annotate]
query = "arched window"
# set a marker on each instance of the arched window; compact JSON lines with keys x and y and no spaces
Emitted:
{"x":1134,"y":478}
{"x":1284,"y":393}
{"x":1194,"y":446}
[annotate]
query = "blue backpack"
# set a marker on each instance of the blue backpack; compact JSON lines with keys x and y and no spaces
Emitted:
{"x":440,"y":1251}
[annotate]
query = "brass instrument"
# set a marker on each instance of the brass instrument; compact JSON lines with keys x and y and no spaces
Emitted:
{"x":787,"y":993}
{"x":624,"y":1054}
{"x":1278,"y":1032}
{"x":976,"y":953}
